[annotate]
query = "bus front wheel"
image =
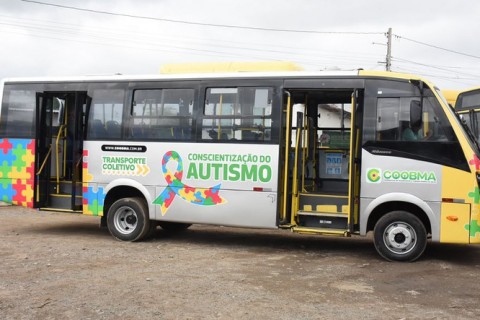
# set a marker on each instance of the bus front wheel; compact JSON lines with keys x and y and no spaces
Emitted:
{"x":128,"y":219}
{"x":400,"y":236}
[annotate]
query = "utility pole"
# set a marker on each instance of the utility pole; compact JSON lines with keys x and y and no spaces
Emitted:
{"x":388,"y":64}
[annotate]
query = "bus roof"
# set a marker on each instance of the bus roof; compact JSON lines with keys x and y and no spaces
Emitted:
{"x":182,"y":76}
{"x":229,"y":75}
{"x":470,"y":89}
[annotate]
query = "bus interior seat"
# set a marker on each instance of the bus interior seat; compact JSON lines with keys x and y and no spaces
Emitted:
{"x":250,"y":136}
{"x":389,"y":134}
{"x":163,"y":133}
{"x":181,"y":133}
{"x":113,"y":129}
{"x":97,"y":129}
{"x":138,"y":132}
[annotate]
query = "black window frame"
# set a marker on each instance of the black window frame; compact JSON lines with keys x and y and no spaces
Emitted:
{"x":162,"y":85}
{"x":26,"y":129}
{"x":448,"y":153}
{"x":276,"y":86}
{"x":460,"y":105}
{"x":119,"y":136}
{"x":165,"y":128}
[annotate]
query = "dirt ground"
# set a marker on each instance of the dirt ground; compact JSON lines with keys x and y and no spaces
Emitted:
{"x":63,"y":266}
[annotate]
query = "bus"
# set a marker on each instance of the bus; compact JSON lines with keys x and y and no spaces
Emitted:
{"x":467,"y":106}
{"x":451,"y":96}
{"x":333,"y":154}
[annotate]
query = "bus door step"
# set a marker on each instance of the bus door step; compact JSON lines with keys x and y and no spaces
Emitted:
{"x":320,"y":231}
{"x":64,"y":201}
{"x":322,"y":220}
{"x":60,"y":210}
{"x":66,"y":187}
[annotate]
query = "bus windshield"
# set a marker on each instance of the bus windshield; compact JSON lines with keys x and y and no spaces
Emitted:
{"x":473,"y":138}
{"x":468,"y":100}
{"x":467,"y":106}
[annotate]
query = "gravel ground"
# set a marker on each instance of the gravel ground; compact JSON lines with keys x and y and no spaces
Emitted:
{"x":63,"y":266}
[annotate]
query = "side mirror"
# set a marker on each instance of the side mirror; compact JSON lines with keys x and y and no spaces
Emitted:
{"x":415,"y":114}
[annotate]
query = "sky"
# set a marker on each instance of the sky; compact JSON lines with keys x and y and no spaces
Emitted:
{"x":436,"y":39}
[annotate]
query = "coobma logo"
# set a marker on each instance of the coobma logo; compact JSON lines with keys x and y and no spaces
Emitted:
{"x":410,"y":176}
{"x":376,"y":175}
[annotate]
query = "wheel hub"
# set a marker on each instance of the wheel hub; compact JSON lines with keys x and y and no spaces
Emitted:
{"x":125,"y":220}
{"x":400,"y":237}
{"x":131,"y":219}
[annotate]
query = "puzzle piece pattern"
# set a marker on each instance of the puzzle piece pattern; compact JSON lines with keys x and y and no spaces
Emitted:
{"x":474,"y":228}
{"x":93,"y":195}
{"x":17,"y":171}
{"x":200,"y":196}
{"x":475,"y":162}
{"x":475,"y":195}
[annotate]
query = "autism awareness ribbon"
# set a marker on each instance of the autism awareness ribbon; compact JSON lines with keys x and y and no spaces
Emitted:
{"x":200,"y":196}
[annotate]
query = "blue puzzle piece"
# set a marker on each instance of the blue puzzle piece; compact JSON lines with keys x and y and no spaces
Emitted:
{"x":91,"y":195}
{"x":6,"y":191}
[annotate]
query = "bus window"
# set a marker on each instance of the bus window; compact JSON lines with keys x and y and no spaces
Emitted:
{"x":395,"y":120}
{"x":18,"y":112}
{"x":435,"y":124}
{"x":106,"y":114}
{"x":432,"y":138}
{"x":468,"y":106}
{"x":162,"y":114}
{"x":468,"y":100}
{"x":393,"y":117}
{"x":243,"y":113}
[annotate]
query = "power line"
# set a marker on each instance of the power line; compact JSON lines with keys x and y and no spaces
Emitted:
{"x":152,"y":41}
{"x":199,"y":23}
{"x":437,"y":47}
{"x":459,"y":80}
{"x":254,"y":51}
{"x":56,"y":27}
{"x":433,"y":67}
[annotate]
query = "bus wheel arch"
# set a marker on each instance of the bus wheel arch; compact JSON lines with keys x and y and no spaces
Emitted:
{"x":400,"y":231}
{"x":119,"y":192}
{"x":126,"y":214}
{"x":390,"y":206}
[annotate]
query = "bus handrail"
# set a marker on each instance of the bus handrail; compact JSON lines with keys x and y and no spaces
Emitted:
{"x":283,"y":216}
{"x":44,"y":161}
{"x":57,"y":144}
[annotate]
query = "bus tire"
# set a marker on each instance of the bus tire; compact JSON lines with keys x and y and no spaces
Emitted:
{"x":400,"y":236}
{"x":173,"y":226}
{"x":128,"y":219}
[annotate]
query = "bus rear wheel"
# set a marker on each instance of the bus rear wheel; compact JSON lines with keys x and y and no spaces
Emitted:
{"x":400,"y":236}
{"x":128,"y":219}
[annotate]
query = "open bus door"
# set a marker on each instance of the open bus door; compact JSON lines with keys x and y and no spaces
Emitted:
{"x":355,"y":159}
{"x":61,"y":124}
{"x":322,"y":184}
{"x":43,"y":148}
